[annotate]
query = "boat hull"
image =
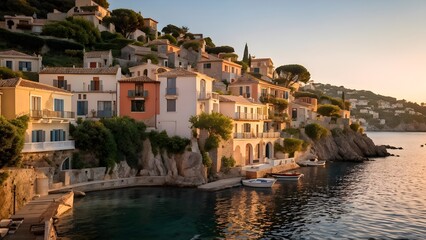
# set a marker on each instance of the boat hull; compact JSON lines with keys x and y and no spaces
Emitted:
{"x":287,"y":177}
{"x":259,"y":182}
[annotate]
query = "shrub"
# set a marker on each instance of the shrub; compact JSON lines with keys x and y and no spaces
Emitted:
{"x":6,"y":73}
{"x":305,"y":94}
{"x":108,"y":36}
{"x":233,"y":56}
{"x":194,"y":44}
{"x":177,"y":144}
{"x":74,"y":53}
{"x":169,"y":37}
{"x":315,"y":131}
{"x":77,"y":163}
{"x":12,"y":138}
{"x":152,"y":57}
{"x":329,"y":110}
{"x":227,"y":163}
{"x":26,"y":41}
{"x":173,"y":145}
{"x":292,"y":131}
{"x":62,"y":45}
{"x":354,"y":127}
{"x":291,"y":145}
{"x":207,"y":161}
{"x":221,"y":49}
{"x":122,"y":42}
{"x":336,"y":131}
{"x":212,"y":142}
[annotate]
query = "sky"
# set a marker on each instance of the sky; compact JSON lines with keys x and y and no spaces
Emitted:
{"x":377,"y":45}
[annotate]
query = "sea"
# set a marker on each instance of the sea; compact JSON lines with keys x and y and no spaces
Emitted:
{"x":384,"y":198}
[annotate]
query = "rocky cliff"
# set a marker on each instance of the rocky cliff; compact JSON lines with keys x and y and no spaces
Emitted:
{"x":347,"y":146}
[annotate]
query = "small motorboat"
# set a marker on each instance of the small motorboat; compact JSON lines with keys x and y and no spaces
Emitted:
{"x":288,"y":176}
{"x":312,"y":162}
{"x":259,"y":182}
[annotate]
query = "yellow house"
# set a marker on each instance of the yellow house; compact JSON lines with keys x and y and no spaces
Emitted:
{"x":49,"y":109}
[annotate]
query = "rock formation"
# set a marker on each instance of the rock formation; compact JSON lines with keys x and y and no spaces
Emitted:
{"x":347,"y":146}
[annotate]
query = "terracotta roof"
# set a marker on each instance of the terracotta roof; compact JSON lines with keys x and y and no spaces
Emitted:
{"x":70,"y":70}
{"x":248,"y":78}
{"x":212,"y":58}
{"x":14,"y":82}
{"x":14,"y":53}
{"x":261,"y":59}
{"x":178,"y":72}
{"x":157,"y":42}
{"x":237,"y":99}
{"x":96,"y":54}
{"x":138,"y":79}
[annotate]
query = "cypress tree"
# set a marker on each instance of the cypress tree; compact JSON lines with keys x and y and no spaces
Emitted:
{"x":246,"y":54}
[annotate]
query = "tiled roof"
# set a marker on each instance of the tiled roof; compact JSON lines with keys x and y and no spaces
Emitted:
{"x":248,"y":78}
{"x":70,"y":70}
{"x":237,"y":99}
{"x":158,"y":42}
{"x":96,"y":54}
{"x":14,"y":82}
{"x":138,"y":79}
{"x":212,"y":58}
{"x":14,"y":53}
{"x":178,"y":72}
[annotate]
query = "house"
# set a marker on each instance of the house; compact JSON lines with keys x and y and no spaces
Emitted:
{"x":18,"y":61}
{"x":302,"y":110}
{"x":252,"y":138}
{"x":147,"y":69}
{"x":152,"y":25}
{"x":263,"y":66}
{"x":49,"y":109}
{"x":135,"y":54}
{"x":138,"y":98}
{"x":21,"y":23}
{"x":184,"y":93}
{"x":97,"y":59}
{"x":95,"y":89}
{"x":219,"y":69}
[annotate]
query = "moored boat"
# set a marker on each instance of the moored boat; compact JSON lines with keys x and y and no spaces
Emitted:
{"x":288,"y":176}
{"x":259,"y":182}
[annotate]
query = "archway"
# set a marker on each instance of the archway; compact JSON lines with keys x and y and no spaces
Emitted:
{"x":268,"y":150}
{"x":249,"y":154}
{"x":66,"y":164}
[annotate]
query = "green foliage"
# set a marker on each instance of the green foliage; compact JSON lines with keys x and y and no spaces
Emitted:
{"x":227,"y":163}
{"x":102,"y":3}
{"x":25,"y":41}
{"x":61,"y":60}
{"x":333,"y":101}
{"x":279,"y":103}
{"x":169,"y":37}
{"x":6,"y":73}
{"x":77,"y":163}
{"x":221,"y":49}
{"x":128,"y":135}
{"x":354,"y":127}
{"x":177,"y":145}
{"x":29,"y":7}
{"x":336,"y":131}
{"x":57,"y":45}
{"x":209,"y":42}
{"x":108,"y":36}
{"x":207,"y":161}
{"x":291,"y":145}
{"x":315,"y":131}
{"x":152,"y":57}
{"x":12,"y":138}
{"x":3,"y":177}
{"x":288,"y":75}
{"x":126,"y":21}
{"x":329,"y":110}
{"x":173,"y":30}
{"x":232,"y":56}
{"x":194,"y":44}
{"x":212,"y":142}
{"x":305,"y":94}
{"x":74,"y":53}
{"x":244,"y":65}
{"x":94,"y":137}
{"x":160,"y":141}
{"x":78,"y":29}
{"x":292,"y":131}
{"x":33,"y":76}
{"x":246,"y":55}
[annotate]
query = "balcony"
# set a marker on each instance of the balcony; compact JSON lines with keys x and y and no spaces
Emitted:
{"x":245,"y":135}
{"x":62,"y":84}
{"x":134,"y":93}
{"x":269,"y":135}
{"x":208,"y":95}
{"x":249,"y":116}
{"x":48,"y":146}
{"x":249,"y":135}
{"x":95,"y":86}
{"x":171,"y":91}
{"x":51,"y":114}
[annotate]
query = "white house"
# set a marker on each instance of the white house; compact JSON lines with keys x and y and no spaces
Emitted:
{"x":184,"y":93}
{"x":97,"y":59}
{"x":18,"y":61}
{"x":147,"y":69}
{"x":95,"y":89}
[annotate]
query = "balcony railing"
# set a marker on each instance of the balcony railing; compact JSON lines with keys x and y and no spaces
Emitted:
{"x":269,"y":135}
{"x":249,"y":116}
{"x":105,"y":113}
{"x":245,"y":135}
{"x":208,"y":95}
{"x":134,"y":93}
{"x":250,"y":135}
{"x":51,"y":114}
{"x":171,"y":91}
{"x":48,"y":146}
{"x":95,"y":86}
{"x":62,"y":84}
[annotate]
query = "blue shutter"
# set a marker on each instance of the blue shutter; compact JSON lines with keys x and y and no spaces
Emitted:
{"x":52,"y":136}
{"x":33,"y":136}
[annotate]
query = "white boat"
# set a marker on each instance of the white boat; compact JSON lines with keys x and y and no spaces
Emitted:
{"x":312,"y":162}
{"x":288,"y":176}
{"x":259,"y":182}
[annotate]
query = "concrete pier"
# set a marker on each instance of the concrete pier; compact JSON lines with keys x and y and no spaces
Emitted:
{"x":221,"y":184}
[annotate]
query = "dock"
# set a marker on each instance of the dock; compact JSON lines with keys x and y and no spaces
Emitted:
{"x":221,"y":184}
{"x":35,"y":220}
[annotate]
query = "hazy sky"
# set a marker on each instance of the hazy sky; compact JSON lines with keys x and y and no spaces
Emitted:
{"x":377,"y":45}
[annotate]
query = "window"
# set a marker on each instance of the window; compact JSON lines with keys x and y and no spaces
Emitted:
{"x":232,"y":69}
{"x":166,"y":64}
{"x":82,"y":108}
{"x":247,"y":127}
{"x":93,"y":65}
{"x":241,"y":91}
{"x":256,"y":70}
{"x":171,"y":105}
{"x":294,"y":113}
{"x":226,"y":68}
{"x":145,"y":72}
{"x":25,"y":66}
{"x":207,"y":65}
{"x":35,"y":103}
{"x":79,"y":96}
{"x":38,"y":136}
{"x":171,"y":86}
{"x":248,"y":91}
{"x":235,"y":128}
{"x":286,"y":95}
{"x":138,"y":105}
{"x":58,"y":105}
{"x":9,"y":64}
{"x":264,"y":92}
{"x":104,"y":109}
{"x":84,"y":96}
{"x":57,"y":135}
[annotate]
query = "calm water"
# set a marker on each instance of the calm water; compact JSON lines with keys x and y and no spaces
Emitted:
{"x":382,"y":199}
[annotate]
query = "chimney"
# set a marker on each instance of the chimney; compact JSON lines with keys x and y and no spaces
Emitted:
{"x":148,"y":61}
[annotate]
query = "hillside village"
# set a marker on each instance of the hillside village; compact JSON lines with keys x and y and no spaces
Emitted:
{"x":162,"y":79}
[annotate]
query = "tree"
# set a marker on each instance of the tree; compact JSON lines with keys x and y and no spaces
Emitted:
{"x":173,"y":30}
{"x":209,"y":42}
{"x":12,"y":138}
{"x":221,"y":49}
{"x":315,"y":131}
{"x":126,"y":21}
{"x":249,"y":60}
{"x":246,"y":55}
{"x":6,"y":73}
{"x":216,"y":124}
{"x":329,"y":110}
{"x":102,"y":3}
{"x":169,"y":37}
{"x":288,"y":75}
